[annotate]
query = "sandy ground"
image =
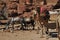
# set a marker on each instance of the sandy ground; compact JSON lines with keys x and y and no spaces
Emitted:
{"x":23,"y":35}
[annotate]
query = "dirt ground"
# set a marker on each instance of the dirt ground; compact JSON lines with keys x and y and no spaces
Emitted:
{"x":24,"y":35}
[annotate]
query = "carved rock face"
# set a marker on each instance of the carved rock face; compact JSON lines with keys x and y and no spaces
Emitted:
{"x":2,"y":5}
{"x":17,"y":1}
{"x":13,"y":6}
